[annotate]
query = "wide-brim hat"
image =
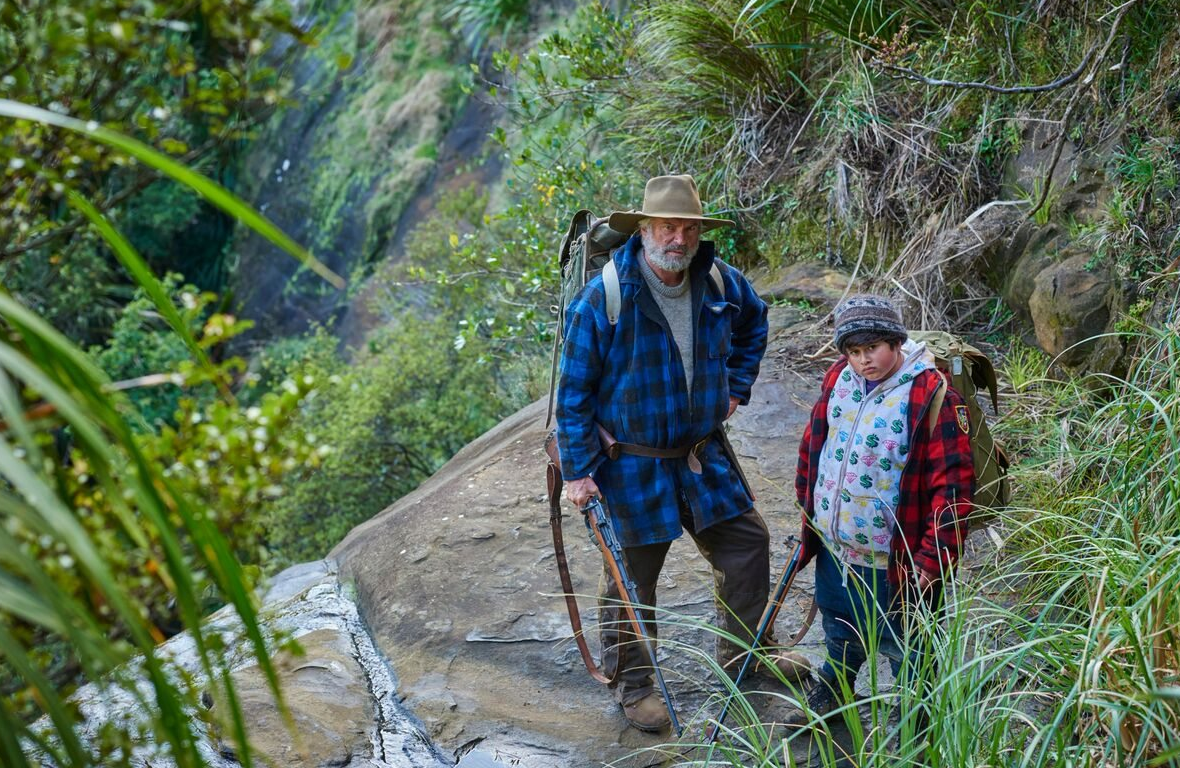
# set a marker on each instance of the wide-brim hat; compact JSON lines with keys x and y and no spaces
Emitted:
{"x":667,"y":197}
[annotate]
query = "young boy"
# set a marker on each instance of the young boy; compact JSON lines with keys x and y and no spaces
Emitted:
{"x":884,"y":497}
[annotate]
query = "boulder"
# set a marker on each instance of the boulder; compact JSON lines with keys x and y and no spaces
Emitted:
{"x":1031,"y":250}
{"x":809,"y":281}
{"x":1071,"y":305}
{"x":327,"y":696}
{"x":1080,"y":187}
{"x":339,"y":689}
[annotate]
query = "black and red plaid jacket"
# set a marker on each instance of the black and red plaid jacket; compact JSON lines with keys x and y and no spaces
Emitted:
{"x":937,"y":484}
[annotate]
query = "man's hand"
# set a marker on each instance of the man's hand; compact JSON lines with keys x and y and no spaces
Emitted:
{"x":580,"y":491}
{"x":733,"y":404}
{"x":926,"y":582}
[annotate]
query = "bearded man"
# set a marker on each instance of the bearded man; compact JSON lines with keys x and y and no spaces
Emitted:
{"x":681,"y":357}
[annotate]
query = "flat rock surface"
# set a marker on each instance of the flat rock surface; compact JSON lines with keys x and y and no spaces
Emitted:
{"x":458,"y":584}
{"x":338,"y":688}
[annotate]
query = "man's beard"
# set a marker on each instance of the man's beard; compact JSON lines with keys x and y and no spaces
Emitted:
{"x":671,"y":258}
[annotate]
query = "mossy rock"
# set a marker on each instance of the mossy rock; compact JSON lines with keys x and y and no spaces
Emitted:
{"x":1072,"y":304}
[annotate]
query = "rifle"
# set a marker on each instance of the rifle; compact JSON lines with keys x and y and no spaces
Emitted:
{"x":768,"y":616}
{"x":603,"y":533}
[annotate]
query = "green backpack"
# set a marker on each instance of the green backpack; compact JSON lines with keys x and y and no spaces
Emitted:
{"x":585,"y":250}
{"x":969,"y":371}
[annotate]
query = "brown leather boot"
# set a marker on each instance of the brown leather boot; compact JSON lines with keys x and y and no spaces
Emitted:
{"x":647,"y":714}
{"x":793,"y":666}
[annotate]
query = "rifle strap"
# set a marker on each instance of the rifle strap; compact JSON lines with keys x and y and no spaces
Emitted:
{"x":936,"y":402}
{"x":553,"y":477}
{"x":807,"y":622}
{"x":803,"y":629}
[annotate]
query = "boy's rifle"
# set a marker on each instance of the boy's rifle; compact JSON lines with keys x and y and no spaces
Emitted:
{"x":604,"y":534}
{"x":765,"y":623}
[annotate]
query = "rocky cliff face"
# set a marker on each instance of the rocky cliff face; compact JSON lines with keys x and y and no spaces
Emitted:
{"x":1050,"y":276}
{"x":379,"y":130}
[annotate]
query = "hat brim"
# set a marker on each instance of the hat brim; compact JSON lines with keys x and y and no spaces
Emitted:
{"x":628,"y":221}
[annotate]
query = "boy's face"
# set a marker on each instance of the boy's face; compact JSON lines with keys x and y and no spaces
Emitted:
{"x":874,"y":362}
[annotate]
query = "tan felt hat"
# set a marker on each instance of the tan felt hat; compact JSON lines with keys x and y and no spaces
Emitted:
{"x":667,"y":197}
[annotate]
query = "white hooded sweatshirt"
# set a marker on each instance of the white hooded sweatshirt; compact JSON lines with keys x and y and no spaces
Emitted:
{"x":858,"y":485}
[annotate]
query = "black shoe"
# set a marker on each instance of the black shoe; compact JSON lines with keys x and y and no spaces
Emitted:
{"x":821,"y":701}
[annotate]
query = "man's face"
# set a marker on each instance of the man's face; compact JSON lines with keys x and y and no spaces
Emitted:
{"x":874,"y":362}
{"x":671,"y":244}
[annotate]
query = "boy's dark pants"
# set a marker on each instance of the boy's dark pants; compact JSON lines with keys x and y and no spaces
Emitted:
{"x":739,"y":551}
{"x":855,"y":607}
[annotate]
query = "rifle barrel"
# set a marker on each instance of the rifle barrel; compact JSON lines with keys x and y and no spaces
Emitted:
{"x":599,"y":523}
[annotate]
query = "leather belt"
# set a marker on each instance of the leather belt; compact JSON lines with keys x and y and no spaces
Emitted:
{"x":690,"y":452}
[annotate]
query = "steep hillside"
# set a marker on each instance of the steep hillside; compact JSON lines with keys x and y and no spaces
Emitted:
{"x":379,"y":127}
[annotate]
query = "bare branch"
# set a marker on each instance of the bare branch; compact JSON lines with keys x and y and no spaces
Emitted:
{"x":905,"y":73}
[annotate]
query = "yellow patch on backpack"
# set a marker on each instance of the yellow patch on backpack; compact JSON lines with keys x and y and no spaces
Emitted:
{"x":961,"y":418}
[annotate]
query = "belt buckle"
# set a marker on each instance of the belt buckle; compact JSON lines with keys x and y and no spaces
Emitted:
{"x":699,"y":447}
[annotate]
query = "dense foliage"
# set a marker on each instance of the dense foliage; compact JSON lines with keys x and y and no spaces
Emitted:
{"x":104,"y":550}
{"x":190,"y":79}
{"x":112,"y":538}
{"x":835,"y":130}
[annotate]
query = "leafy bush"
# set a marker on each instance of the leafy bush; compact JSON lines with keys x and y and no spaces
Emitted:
{"x":188,"y":80}
{"x":77,"y":289}
{"x":90,"y":522}
{"x":142,"y":344}
{"x":387,"y":420}
{"x":95,"y":537}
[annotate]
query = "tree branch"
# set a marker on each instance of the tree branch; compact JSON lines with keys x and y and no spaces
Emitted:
{"x":905,"y":73}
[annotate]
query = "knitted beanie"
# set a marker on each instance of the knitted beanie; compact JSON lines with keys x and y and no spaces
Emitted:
{"x":865,"y":312}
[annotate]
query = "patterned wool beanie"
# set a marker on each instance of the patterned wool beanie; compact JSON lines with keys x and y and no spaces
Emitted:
{"x":865,"y":312}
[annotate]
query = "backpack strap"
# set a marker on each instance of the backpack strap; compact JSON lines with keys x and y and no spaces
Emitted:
{"x":936,"y":403}
{"x":715,"y":276}
{"x":610,"y":284}
{"x":614,"y":300}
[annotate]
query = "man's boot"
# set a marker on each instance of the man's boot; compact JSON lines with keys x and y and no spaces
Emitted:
{"x":648,"y":714}
{"x":792,"y":665}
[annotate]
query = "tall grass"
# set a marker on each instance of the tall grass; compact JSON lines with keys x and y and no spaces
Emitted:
{"x":721,"y":86}
{"x":1066,"y":651}
{"x":101,"y":623}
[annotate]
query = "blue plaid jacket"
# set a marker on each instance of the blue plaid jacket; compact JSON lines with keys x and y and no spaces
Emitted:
{"x":630,"y":379}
